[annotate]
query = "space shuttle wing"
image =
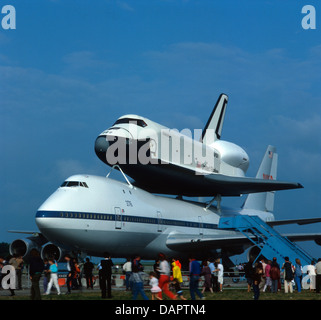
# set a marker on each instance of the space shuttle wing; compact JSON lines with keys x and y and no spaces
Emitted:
{"x":233,"y":186}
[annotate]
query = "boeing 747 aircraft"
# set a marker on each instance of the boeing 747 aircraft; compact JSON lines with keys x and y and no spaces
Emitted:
{"x":92,"y":214}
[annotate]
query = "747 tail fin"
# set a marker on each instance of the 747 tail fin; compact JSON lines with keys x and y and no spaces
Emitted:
{"x":264,"y":201}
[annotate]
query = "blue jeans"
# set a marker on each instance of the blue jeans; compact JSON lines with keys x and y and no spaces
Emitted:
{"x":274,"y":288}
{"x":138,"y":287}
{"x":256,"y":290}
{"x":297,"y":281}
{"x":193,"y":287}
{"x":128,"y":284}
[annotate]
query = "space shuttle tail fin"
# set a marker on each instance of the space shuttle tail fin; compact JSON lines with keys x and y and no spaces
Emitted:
{"x":214,"y":125}
{"x":264,"y":201}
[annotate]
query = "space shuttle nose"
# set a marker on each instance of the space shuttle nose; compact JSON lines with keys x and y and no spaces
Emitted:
{"x":101,"y":146}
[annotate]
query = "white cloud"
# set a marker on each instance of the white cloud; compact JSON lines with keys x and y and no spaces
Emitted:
{"x":85,"y":61}
{"x":124,"y":5}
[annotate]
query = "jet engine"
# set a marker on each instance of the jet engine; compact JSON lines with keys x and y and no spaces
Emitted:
{"x":23,"y":247}
{"x":51,"y":250}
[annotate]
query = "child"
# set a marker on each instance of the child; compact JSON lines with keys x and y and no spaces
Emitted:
{"x":178,"y":288}
{"x":53,"y":270}
{"x":153,"y":282}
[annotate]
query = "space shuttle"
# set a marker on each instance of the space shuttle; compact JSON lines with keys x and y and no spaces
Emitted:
{"x":165,"y":161}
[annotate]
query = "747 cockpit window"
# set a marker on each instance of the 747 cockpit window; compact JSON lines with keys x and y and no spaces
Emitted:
{"x":74,"y":184}
{"x":139,"y":122}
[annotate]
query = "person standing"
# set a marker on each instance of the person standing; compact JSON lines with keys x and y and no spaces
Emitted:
{"x":249,"y":272}
{"x":288,"y":275}
{"x":263,"y":277}
{"x":106,"y":272}
{"x":99,"y":274}
{"x":127,"y":268}
{"x":71,"y":272}
{"x":206,"y":273}
{"x":312,"y":274}
{"x":136,"y":263}
{"x":298,"y":274}
{"x":53,"y":270}
{"x":88,"y":271}
{"x":212,"y":267}
{"x":36,"y":268}
{"x":318,"y":276}
{"x":195,"y":271}
{"x":76,"y":280}
{"x":220,"y":274}
{"x":275,"y":276}
{"x":268,"y":282}
{"x":46,"y":277}
{"x":257,"y":277}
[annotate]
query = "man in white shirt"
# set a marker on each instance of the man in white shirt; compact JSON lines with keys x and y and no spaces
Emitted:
{"x":220,"y":270}
{"x":127,"y":268}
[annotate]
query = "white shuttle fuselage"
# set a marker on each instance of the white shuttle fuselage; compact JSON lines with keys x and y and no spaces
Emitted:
{"x":97,"y":214}
{"x":164,"y":161}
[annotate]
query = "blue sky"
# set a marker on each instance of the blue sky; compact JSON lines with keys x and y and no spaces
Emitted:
{"x":72,"y":67}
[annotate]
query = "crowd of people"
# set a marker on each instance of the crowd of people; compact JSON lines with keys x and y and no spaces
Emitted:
{"x":46,"y":269}
{"x":166,"y":277}
{"x":266,"y":275}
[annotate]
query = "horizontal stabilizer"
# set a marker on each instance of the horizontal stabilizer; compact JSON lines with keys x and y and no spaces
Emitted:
{"x":293,"y":221}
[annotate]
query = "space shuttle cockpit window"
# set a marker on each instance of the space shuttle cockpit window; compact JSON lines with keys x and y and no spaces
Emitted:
{"x":138,"y":122}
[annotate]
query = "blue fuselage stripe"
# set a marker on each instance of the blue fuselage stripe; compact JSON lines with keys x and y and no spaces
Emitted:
{"x":123,"y":218}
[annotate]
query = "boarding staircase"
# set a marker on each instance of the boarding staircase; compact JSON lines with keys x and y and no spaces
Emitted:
{"x":270,"y":242}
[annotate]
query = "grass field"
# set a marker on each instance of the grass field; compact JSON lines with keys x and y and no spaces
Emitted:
{"x":227,"y":294}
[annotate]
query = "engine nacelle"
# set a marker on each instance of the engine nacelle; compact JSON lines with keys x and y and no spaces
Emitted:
{"x":50,"y":250}
{"x":22,"y":247}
